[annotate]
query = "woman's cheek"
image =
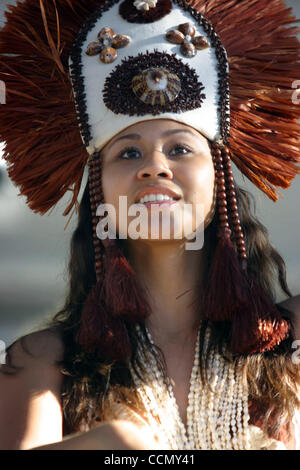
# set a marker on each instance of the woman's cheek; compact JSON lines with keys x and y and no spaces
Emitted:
{"x":202,"y":195}
{"x":203,"y":184}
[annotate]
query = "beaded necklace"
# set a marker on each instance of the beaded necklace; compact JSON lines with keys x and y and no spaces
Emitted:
{"x":217,"y":415}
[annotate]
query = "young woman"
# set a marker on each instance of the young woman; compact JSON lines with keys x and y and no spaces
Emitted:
{"x":158,"y":346}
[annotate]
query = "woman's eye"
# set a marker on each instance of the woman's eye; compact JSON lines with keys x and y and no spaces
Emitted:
{"x":132,"y":153}
{"x":128,"y":153}
{"x":182,"y":149}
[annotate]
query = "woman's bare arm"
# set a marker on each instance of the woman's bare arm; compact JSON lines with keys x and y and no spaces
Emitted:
{"x":30,"y":408}
{"x":115,"y":435}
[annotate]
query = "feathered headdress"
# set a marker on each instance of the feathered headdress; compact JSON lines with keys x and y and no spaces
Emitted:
{"x":77,"y":72}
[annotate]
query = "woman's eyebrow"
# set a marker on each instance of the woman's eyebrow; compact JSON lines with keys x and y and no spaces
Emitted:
{"x":138,"y":136}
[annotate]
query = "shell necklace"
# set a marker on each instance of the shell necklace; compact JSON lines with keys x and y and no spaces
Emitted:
{"x":217,"y":415}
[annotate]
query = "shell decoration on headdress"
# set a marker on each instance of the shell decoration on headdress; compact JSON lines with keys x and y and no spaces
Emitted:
{"x":156,"y":86}
{"x":107,"y":43}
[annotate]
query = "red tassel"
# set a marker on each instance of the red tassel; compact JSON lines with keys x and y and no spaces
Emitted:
{"x":226,"y":286}
{"x":121,"y":290}
{"x":100,"y":331}
{"x":234,"y":295}
{"x":113,"y":300}
{"x":257,"y":325}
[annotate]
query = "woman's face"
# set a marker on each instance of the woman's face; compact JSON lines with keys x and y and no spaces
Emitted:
{"x":165,"y":153}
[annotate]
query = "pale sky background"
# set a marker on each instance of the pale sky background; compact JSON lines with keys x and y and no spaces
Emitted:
{"x":34,"y":250}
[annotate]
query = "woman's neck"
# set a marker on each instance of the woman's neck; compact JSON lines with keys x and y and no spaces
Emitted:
{"x":172,"y":277}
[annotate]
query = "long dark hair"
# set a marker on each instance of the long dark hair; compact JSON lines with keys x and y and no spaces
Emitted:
{"x":91,"y":384}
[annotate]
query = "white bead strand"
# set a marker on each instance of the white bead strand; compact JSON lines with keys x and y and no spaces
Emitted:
{"x":217,"y":412}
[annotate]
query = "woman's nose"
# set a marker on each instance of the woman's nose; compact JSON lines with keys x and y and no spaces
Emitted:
{"x":155,"y":165}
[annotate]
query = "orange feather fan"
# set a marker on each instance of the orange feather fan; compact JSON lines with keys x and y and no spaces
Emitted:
{"x":43,"y":147}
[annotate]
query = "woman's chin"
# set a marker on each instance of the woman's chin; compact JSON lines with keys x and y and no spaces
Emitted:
{"x":158,"y":236}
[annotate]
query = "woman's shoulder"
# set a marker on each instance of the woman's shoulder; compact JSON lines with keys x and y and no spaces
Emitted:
{"x":43,"y":347}
{"x":293,"y":306}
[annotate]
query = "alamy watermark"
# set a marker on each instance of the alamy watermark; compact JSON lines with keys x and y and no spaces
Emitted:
{"x":2,"y":92}
{"x":296,"y":354}
{"x":296,"y":93}
{"x":2,"y":352}
{"x":177,"y":222}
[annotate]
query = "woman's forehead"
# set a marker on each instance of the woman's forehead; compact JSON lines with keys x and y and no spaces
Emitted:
{"x":160,"y":126}
{"x":144,"y":126}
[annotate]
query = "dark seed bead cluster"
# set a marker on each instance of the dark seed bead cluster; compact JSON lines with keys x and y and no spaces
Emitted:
{"x":96,"y":198}
{"x":120,"y":98}
{"x":131,"y":14}
{"x":223,"y":69}
{"x":233,"y":206}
